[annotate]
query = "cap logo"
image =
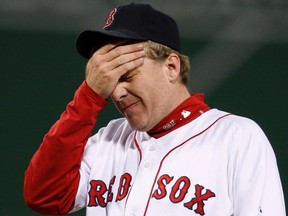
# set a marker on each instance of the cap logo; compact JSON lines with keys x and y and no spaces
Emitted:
{"x":110,"y":18}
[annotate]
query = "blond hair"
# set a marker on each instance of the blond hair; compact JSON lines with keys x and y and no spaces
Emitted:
{"x":159,"y":52}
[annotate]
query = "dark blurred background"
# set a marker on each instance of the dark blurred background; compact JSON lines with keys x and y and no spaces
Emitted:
{"x":239,"y":59}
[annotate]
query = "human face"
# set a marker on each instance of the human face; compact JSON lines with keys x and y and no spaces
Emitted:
{"x":142,"y":95}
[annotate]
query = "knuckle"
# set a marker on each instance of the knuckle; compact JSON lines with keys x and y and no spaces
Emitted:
{"x":118,"y":51}
{"x":97,"y":60}
{"x":127,"y":66}
{"x":121,"y":60}
{"x":103,"y":69}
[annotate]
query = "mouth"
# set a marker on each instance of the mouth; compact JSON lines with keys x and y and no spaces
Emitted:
{"x":126,"y":108}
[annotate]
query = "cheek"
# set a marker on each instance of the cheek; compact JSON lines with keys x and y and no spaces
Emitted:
{"x":155,"y":94}
{"x":155,"y":104}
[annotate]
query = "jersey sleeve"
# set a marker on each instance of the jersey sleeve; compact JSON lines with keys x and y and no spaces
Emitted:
{"x":255,"y":184}
{"x":52,"y":177}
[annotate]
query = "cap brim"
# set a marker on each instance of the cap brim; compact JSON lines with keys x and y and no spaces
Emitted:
{"x":89,"y":40}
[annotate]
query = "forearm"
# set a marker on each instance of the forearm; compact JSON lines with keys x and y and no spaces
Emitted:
{"x":51,"y":179}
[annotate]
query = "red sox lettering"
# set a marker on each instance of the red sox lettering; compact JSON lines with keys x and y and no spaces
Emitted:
{"x":100,"y":194}
{"x":98,"y":189}
{"x":179,"y":192}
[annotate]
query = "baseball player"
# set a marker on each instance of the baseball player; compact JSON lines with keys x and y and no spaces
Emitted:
{"x":170,"y":154}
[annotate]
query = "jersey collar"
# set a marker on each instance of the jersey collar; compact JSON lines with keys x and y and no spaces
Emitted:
{"x":186,"y":112}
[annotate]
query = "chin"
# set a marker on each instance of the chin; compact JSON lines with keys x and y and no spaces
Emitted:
{"x":139,"y":126}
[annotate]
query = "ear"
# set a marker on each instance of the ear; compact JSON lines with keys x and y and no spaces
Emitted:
{"x":173,"y":66}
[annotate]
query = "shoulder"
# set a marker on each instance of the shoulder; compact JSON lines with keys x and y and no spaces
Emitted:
{"x":239,"y":124}
{"x":117,"y":134}
{"x":115,"y":130}
{"x":244,"y":126}
{"x":244,"y":135}
{"x":236,"y":131}
{"x":117,"y":127}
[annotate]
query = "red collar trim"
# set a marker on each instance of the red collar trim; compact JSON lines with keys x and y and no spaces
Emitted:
{"x":186,"y":112}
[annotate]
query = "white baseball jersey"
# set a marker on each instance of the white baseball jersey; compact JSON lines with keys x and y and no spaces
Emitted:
{"x":218,"y":164}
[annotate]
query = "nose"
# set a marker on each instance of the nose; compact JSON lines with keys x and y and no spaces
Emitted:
{"x":119,"y":92}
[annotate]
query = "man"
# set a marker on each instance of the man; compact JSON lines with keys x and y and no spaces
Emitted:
{"x":171,"y":154}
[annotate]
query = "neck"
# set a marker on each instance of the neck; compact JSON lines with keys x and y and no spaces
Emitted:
{"x":186,"y":112}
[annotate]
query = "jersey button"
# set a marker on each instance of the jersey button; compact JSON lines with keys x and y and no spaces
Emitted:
{"x":130,"y":214}
{"x":147,"y":165}
{"x":151,"y":148}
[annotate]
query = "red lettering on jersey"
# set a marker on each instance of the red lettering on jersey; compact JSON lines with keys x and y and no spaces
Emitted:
{"x":161,"y":191}
{"x":110,"y":194}
{"x":199,"y":199}
{"x":179,"y":191}
{"x":178,"y":194}
{"x":97,"y":190}
{"x":124,"y":185}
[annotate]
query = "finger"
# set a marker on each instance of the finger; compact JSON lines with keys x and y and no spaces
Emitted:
{"x":126,"y":58}
{"x":112,"y":51}
{"x":105,"y":49}
{"x":117,"y":57}
{"x":129,"y":66}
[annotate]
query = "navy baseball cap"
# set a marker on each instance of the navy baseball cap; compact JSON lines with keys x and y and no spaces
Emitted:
{"x":135,"y":22}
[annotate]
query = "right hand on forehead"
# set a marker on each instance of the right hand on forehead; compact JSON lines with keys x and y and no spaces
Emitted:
{"x":109,"y":63}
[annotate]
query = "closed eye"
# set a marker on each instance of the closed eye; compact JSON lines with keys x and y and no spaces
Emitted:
{"x":126,"y":78}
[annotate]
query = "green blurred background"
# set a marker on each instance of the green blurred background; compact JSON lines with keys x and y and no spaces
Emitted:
{"x":238,"y":59}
